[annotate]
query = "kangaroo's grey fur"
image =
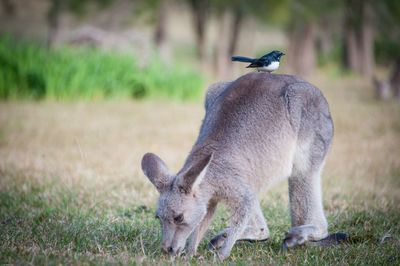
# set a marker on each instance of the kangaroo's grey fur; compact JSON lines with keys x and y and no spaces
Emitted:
{"x":258,"y":130}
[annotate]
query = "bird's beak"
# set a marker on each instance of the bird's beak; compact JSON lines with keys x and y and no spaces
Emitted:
{"x":283,"y":54}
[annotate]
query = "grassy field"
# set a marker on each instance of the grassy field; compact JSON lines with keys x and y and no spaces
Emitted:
{"x":71,"y":188}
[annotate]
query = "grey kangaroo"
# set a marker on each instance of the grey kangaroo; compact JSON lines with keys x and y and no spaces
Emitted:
{"x":258,"y":130}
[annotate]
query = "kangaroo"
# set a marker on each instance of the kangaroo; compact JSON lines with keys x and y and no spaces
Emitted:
{"x":258,"y":130}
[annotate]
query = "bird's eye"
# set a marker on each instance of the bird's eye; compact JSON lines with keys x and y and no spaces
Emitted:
{"x":178,"y":219}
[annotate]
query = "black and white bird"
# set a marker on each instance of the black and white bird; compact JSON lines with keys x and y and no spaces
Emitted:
{"x":266,"y":63}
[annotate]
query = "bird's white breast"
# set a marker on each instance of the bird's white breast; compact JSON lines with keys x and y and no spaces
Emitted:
{"x":271,"y":67}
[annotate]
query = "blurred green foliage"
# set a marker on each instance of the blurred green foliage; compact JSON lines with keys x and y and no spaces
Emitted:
{"x":386,"y":50}
{"x":29,"y":71}
{"x":387,"y":39}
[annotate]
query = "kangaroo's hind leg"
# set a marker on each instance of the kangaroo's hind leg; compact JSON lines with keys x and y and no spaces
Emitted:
{"x":308,"y":218}
{"x":307,"y":214}
{"x":311,"y":117}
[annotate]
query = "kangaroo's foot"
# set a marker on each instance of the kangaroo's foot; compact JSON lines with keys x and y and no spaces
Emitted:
{"x":301,"y":234}
{"x":331,"y":240}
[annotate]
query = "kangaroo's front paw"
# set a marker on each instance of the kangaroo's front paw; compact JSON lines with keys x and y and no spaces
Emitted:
{"x":217,"y":241}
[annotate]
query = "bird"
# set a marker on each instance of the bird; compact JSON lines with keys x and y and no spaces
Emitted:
{"x":267,"y":63}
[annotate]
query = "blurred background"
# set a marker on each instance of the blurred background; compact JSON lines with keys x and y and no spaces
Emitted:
{"x":90,"y":49}
{"x":89,"y":86}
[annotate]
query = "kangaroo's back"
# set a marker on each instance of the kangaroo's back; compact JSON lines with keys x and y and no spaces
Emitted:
{"x":261,"y":121}
{"x":252,"y":104}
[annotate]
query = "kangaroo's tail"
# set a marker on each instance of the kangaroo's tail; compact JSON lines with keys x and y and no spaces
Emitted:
{"x":242,"y":59}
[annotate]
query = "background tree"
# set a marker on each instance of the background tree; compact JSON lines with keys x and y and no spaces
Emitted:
{"x":8,"y":7}
{"x":230,"y":16}
{"x":387,"y":41}
{"x":160,"y":25}
{"x":57,"y":7}
{"x":200,"y":12}
{"x":359,"y":37}
{"x":304,"y":28}
{"x":53,"y":19}
{"x":158,"y":12}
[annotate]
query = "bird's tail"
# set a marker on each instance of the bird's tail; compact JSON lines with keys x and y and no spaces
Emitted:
{"x":242,"y":59}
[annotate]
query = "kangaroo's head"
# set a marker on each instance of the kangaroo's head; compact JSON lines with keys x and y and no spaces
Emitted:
{"x":180,"y":207}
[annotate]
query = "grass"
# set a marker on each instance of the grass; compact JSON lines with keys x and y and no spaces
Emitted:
{"x":29,"y":71}
{"x":71,"y":189}
{"x":67,"y":231}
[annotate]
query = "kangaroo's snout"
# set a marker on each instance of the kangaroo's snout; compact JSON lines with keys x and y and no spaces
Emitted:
{"x":170,"y":250}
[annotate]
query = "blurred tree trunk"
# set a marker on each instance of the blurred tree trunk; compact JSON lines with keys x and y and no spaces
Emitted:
{"x":200,"y":10}
{"x":160,"y":32}
{"x":324,"y":42}
{"x":226,"y":43}
{"x":351,"y":59}
{"x":160,"y":27}
{"x":8,"y":7}
{"x":235,"y":30}
{"x":367,"y":41}
{"x":53,"y":20}
{"x":359,"y":37}
{"x":222,"y":43}
{"x":301,"y":50}
{"x":351,"y":54}
{"x":395,"y":79}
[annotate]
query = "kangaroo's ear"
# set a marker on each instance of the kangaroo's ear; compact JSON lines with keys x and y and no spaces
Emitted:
{"x":192,"y":177}
{"x":156,"y":170}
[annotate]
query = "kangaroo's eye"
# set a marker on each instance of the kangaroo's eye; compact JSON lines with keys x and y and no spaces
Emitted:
{"x":182,"y":190}
{"x":178,"y":219}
